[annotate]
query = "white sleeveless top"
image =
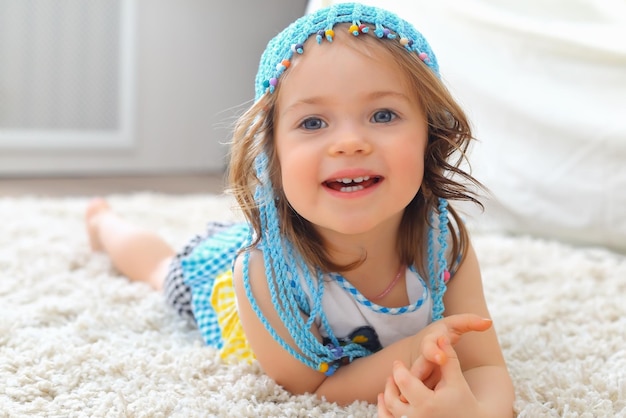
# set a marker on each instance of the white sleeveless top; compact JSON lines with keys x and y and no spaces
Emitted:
{"x":347,"y":310}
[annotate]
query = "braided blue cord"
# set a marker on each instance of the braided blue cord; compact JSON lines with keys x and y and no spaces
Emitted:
{"x":438,"y":282}
{"x":285,"y":307}
{"x":284,"y":302}
{"x":430,"y":253}
{"x":298,"y":291}
{"x":281,"y":284}
{"x":263,"y":319}
{"x":276,"y":271}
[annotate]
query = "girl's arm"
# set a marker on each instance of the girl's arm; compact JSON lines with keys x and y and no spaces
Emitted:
{"x":479,"y":354}
{"x":363,"y":379}
{"x":472,"y":381}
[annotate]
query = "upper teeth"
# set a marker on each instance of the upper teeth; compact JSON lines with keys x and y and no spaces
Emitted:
{"x":347,"y":180}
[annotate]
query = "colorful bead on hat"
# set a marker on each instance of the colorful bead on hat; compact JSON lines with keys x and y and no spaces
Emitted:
{"x":284,"y":266}
{"x":320,"y":24}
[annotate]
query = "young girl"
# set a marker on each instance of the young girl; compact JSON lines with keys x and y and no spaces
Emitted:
{"x":352,"y":277}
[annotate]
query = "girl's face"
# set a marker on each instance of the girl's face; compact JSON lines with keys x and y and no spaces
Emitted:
{"x":350,"y":136}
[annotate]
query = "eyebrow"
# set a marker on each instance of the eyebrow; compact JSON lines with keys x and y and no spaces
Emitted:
{"x":319,"y":100}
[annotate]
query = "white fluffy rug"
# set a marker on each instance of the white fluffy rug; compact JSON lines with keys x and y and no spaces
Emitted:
{"x":76,"y":339}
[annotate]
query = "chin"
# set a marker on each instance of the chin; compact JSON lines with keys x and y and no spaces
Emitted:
{"x":349,"y":227}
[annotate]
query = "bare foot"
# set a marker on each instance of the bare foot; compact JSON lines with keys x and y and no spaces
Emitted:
{"x":95,"y":209}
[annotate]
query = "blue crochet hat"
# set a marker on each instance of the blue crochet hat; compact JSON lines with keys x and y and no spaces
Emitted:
{"x":280,"y":50}
{"x":283,"y":264}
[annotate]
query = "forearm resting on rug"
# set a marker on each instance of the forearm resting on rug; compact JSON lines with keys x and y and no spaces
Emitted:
{"x":366,"y":377}
{"x":493,"y":389}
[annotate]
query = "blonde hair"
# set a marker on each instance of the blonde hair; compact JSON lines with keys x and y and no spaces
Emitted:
{"x":449,"y":136}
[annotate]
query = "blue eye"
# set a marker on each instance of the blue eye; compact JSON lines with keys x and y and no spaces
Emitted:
{"x":313,"y":124}
{"x":383,"y":116}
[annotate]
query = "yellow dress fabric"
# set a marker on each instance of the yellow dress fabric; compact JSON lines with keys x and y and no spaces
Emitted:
{"x":236,"y":345}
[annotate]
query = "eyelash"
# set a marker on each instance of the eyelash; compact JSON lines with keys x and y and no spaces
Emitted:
{"x":323,"y":124}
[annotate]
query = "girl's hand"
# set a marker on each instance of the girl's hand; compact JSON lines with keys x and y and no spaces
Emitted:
{"x":407,"y":395}
{"x":426,"y":366}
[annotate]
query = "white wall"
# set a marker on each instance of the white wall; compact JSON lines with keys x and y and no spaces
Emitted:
{"x":195,"y":62}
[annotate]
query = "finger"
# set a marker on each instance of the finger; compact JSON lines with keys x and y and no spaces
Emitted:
{"x":431,"y":351}
{"x":408,"y":385}
{"x":463,"y":323}
{"x":394,"y":402}
{"x":451,"y":370}
{"x":433,"y":380}
{"x":422,"y":368}
{"x":426,"y":371}
{"x":391,"y":393}
{"x":381,"y":407}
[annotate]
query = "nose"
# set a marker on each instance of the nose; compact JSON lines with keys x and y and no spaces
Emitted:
{"x":350,"y":142}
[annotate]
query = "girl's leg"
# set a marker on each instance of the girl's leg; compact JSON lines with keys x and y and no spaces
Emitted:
{"x":139,"y":254}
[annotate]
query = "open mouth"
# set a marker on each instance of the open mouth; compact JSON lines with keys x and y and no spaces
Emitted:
{"x":349,"y":185}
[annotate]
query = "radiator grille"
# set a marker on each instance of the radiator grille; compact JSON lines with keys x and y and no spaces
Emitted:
{"x":61,"y":67}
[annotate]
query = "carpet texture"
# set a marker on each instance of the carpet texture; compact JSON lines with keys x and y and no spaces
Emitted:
{"x":76,"y":339}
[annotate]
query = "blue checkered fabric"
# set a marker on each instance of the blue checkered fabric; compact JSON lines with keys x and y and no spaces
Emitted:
{"x":212,"y":257}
